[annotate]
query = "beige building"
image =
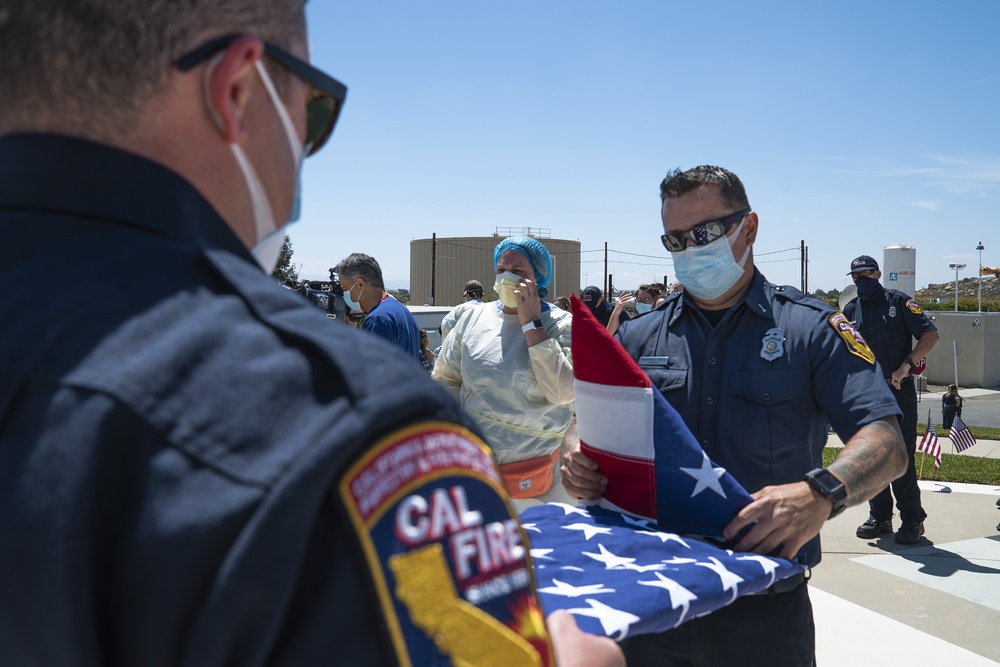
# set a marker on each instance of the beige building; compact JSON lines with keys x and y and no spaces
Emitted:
{"x":458,"y":259}
{"x":975,"y":337}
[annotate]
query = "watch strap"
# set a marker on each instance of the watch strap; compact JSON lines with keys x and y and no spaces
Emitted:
{"x":532,"y":325}
{"x":827,"y":485}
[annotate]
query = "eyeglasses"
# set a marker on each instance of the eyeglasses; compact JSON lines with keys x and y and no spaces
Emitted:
{"x":644,"y":299}
{"x":328,"y":94}
{"x":862,"y":274}
{"x":704,"y":233}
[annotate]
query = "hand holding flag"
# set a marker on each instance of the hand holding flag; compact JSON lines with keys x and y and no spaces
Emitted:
{"x":617,"y":574}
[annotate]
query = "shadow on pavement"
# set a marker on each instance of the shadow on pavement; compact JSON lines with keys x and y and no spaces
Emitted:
{"x":933,"y":561}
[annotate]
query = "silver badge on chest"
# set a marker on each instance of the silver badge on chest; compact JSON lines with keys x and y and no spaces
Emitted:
{"x":892,"y":311}
{"x":773,"y":345}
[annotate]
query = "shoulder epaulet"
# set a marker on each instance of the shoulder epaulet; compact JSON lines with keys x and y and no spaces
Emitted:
{"x":789,"y":293}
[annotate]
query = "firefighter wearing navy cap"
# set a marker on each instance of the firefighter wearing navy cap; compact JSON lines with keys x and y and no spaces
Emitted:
{"x":889,"y":321}
{"x":196,"y":467}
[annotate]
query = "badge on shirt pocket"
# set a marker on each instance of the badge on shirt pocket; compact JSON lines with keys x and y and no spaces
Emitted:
{"x":447,"y":555}
{"x":773,"y":344}
{"x":892,"y":311}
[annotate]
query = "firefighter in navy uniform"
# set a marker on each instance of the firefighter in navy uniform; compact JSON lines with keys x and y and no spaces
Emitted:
{"x":889,"y":320}
{"x":196,"y":467}
{"x":757,"y":371}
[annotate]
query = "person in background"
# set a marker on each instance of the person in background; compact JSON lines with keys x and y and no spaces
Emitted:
{"x":593,"y":299}
{"x":757,"y":371}
{"x":191,"y":461}
{"x":473,"y":291}
{"x":426,"y":355}
{"x":509,"y":363}
{"x":562,"y":302}
{"x":889,"y":321}
{"x":951,"y":405}
{"x":644,"y":300}
{"x":472,"y":296}
{"x":624,"y":301}
{"x":360,"y":277}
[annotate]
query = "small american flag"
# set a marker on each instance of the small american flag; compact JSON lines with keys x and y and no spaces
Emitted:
{"x":960,"y":435}
{"x":929,"y":444}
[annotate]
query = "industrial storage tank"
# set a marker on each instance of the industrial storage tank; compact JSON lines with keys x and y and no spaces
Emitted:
{"x":441,"y":265}
{"x":899,"y":268}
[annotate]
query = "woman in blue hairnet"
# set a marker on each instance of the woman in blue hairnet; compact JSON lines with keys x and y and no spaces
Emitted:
{"x":509,"y":364}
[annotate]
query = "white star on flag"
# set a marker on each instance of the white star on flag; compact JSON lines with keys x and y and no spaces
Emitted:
{"x":680,"y":597}
{"x":530,"y":526}
{"x":588,"y":529}
{"x":664,"y":537}
{"x":570,"y":509}
{"x":614,"y":621}
{"x":729,"y":580}
{"x":542,"y":553}
{"x":610,"y":560}
{"x":768,"y":565}
{"x":567,"y":590}
{"x":707,"y":476}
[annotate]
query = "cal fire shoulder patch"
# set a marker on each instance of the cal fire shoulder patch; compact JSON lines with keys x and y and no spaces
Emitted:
{"x":446,"y":551}
{"x":914,"y":308}
{"x":855,"y":343}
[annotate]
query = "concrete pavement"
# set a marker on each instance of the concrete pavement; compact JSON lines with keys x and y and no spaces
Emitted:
{"x":935,"y":603}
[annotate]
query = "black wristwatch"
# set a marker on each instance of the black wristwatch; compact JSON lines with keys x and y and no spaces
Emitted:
{"x":831,"y":488}
{"x":532,"y":325}
{"x":909,"y":360}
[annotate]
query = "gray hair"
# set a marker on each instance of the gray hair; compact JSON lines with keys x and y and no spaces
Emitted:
{"x":93,"y":65}
{"x":360,"y":265}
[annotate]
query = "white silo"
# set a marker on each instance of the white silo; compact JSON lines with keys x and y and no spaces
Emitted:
{"x":899,"y":268}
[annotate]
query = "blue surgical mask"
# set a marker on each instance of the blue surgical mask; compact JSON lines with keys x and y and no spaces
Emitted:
{"x":270,"y":235}
{"x":351,"y":303}
{"x":709,"y":271}
{"x":641,"y":307}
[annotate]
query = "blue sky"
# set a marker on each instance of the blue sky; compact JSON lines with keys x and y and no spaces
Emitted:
{"x":853,"y":125}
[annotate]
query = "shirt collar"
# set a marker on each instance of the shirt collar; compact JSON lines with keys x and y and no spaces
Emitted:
{"x":63,"y":174}
{"x":757,"y":298}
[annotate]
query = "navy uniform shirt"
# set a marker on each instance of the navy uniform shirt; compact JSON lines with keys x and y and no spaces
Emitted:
{"x":198,"y":468}
{"x":759,"y":388}
{"x":889,"y":323}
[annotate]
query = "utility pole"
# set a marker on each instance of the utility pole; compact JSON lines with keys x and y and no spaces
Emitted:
{"x":803,"y":280}
{"x":605,"y":269}
{"x":980,"y":248}
{"x":957,"y":267}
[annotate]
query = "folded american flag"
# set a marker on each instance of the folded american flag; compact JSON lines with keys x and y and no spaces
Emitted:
{"x":623,"y":567}
{"x":621,"y":576}
{"x":929,"y":444}
{"x":960,"y":435}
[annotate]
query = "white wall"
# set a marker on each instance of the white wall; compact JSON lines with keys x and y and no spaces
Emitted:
{"x":978,"y":349}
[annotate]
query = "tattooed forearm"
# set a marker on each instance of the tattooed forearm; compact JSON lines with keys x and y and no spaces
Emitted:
{"x":871,"y":459}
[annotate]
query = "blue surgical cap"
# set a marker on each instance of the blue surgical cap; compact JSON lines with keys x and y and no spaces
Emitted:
{"x":537,"y":255}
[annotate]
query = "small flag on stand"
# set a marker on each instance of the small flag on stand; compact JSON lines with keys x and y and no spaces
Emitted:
{"x":960,"y":435}
{"x":929,"y":444}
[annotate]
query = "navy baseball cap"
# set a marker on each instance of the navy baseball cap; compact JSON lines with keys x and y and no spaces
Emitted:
{"x":863,"y":263}
{"x":591,"y":295}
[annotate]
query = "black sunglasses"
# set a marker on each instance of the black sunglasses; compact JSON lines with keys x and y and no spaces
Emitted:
{"x":704,"y":233}
{"x":328,"y":93}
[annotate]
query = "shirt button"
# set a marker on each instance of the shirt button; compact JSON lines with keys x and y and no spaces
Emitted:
{"x":704,"y":444}
{"x":712,"y":361}
{"x":709,"y":401}
{"x":766,"y":397}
